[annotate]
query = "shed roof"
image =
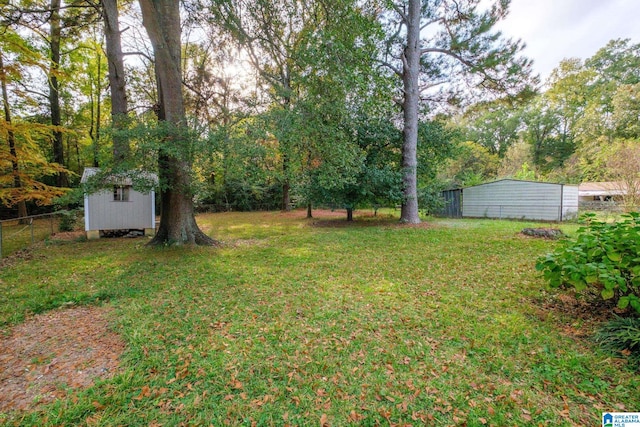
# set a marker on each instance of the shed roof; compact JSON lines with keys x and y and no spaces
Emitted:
{"x":610,"y":188}
{"x":120,"y":178}
{"x":522,"y":181}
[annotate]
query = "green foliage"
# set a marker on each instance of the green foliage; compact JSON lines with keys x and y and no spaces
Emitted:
{"x":494,"y":125}
{"x":525,"y":173}
{"x":603,"y":257}
{"x":435,"y":146}
{"x":621,"y":336}
{"x":471,"y":164}
{"x":430,"y":198}
{"x":239,"y":168}
{"x":68,"y":220}
{"x":375,"y":181}
{"x":547,"y":134}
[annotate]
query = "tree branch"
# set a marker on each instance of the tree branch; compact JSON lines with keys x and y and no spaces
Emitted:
{"x":393,"y":68}
{"x":433,"y":21}
{"x":143,"y":54}
{"x":400,"y":12}
{"x":447,"y":52}
{"x":31,"y":91}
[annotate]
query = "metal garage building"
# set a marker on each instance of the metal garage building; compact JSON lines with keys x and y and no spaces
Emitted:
{"x":515,"y":199}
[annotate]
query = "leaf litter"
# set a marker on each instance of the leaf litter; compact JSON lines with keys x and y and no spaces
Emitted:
{"x":55,"y":353}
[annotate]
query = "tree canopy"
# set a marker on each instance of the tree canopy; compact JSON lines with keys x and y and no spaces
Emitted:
{"x":279,"y":103}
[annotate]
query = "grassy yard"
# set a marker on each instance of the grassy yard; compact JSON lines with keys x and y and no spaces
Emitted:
{"x":17,"y":236}
{"x":291,"y":323}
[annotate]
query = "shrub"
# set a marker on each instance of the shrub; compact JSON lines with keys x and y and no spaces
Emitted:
{"x":68,"y":220}
{"x":604,"y":257}
{"x":621,"y":336}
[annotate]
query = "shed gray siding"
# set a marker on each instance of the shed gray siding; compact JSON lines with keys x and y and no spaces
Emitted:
{"x":103,"y":213}
{"x":570,"y":202}
{"x":521,"y":200}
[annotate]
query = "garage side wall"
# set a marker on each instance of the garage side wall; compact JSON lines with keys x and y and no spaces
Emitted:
{"x":519,"y":200}
{"x":106,"y":214}
{"x":570,"y":202}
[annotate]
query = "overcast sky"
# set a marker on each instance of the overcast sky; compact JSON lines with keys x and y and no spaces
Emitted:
{"x":558,"y":29}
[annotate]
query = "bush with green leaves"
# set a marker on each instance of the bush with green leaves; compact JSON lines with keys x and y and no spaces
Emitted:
{"x":68,"y":220}
{"x":604,"y":257}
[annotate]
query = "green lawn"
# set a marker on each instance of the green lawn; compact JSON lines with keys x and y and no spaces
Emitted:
{"x":289,"y":323}
{"x":17,"y":236}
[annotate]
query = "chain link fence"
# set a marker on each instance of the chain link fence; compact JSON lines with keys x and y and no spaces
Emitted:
{"x":20,"y":233}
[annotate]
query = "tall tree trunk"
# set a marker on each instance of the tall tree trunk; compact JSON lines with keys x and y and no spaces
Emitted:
{"x":309,"y":210}
{"x":55,"y":30}
{"x":96,"y":145}
{"x":411,"y":70}
{"x":286,"y":197}
{"x":349,"y":213}
{"x":94,"y":99}
{"x":119,"y":103}
{"x":161,"y":19}
{"x":286,"y":184}
{"x":17,"y":183}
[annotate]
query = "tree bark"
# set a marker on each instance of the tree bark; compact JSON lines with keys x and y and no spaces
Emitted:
{"x":410,"y":74}
{"x":286,"y":197}
{"x":55,"y":34}
{"x":349,"y":214}
{"x":15,"y":169}
{"x":161,"y":19}
{"x":94,"y":130}
{"x":119,"y":102}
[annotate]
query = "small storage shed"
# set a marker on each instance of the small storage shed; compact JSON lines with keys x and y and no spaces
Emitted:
{"x":511,"y":198}
{"x":118,"y":207}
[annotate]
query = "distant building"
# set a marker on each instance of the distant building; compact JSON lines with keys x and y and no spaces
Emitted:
{"x":601,"y":191}
{"x":513,"y":199}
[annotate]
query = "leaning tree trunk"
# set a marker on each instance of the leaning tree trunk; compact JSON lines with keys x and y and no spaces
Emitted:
{"x":411,"y":70}
{"x":161,"y":19}
{"x":119,"y":105}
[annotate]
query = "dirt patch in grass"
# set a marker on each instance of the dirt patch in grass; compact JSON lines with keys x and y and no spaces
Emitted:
{"x":52,"y":354}
{"x":317,"y":213}
{"x":338,"y":219}
{"x":68,"y":236}
{"x":18,"y":257}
